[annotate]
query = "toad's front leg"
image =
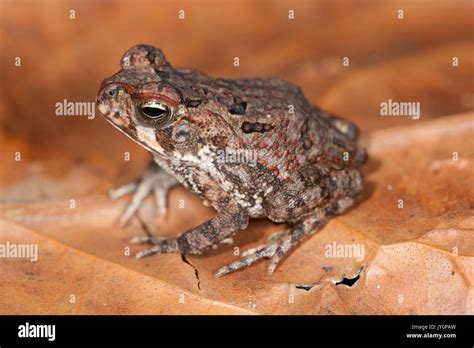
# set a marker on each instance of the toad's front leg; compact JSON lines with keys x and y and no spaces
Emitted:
{"x":154,"y":180}
{"x":229,"y":220}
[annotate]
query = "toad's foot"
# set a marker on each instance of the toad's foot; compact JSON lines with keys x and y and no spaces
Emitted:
{"x":153,"y":180}
{"x":277,"y":246}
{"x":160,"y":246}
{"x":148,"y":239}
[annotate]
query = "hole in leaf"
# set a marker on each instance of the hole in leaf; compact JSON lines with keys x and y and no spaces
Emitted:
{"x":349,"y":281}
{"x":304,"y":287}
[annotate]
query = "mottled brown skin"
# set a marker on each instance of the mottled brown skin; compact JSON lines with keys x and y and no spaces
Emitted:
{"x":306,"y":160}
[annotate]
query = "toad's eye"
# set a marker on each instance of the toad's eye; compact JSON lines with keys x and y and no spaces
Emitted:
{"x":112,"y":92}
{"x":154,"y":110}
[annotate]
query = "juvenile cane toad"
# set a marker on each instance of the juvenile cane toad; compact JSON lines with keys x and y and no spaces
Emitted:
{"x":305,"y":168}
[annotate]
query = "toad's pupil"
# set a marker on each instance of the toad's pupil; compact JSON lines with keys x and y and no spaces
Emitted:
{"x":152,"y":111}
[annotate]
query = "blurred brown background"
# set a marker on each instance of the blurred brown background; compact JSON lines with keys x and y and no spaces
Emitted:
{"x":409,"y":59}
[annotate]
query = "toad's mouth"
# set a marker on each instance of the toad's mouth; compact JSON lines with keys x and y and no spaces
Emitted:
{"x":126,"y":132}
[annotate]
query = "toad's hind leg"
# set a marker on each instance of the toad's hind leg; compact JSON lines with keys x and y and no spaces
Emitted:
{"x":346,"y":187}
{"x":279,"y":243}
{"x":282,"y":241}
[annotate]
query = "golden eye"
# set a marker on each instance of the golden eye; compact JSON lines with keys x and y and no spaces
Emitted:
{"x":154,"y":110}
{"x":112,"y":92}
